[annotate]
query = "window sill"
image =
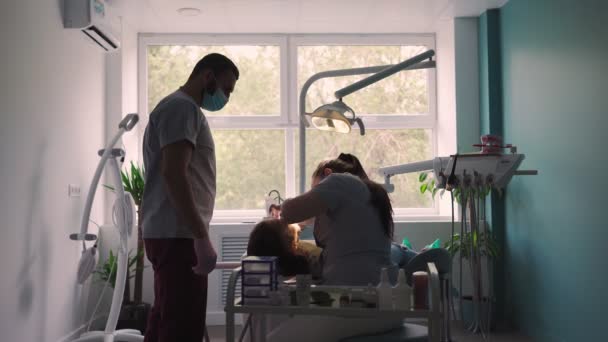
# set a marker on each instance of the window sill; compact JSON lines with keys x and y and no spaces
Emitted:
{"x":235,"y":221}
{"x":397,"y":219}
{"x":430,"y":218}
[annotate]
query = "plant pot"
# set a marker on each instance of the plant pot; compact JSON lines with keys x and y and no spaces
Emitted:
{"x":469,"y":314}
{"x":134,"y":316}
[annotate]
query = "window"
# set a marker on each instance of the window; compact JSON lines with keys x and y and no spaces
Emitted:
{"x":256,"y":134}
{"x":170,"y":65}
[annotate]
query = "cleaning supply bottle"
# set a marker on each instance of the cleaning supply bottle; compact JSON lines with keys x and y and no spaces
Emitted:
{"x":402,"y":293}
{"x":385,"y":291}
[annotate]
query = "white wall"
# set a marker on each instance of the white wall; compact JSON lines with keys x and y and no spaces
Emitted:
{"x":120,"y":99}
{"x":467,"y":83}
{"x":446,"y":77}
{"x":446,"y":100}
{"x":129,"y":68}
{"x":51,"y":125}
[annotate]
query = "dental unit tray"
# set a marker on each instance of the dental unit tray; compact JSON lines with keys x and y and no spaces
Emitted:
{"x":475,"y":169}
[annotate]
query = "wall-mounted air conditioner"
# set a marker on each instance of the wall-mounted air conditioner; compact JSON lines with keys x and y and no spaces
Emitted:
{"x":95,"y":19}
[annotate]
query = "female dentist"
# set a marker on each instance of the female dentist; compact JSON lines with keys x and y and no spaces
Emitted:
{"x":354,"y":225}
{"x":353,"y":222}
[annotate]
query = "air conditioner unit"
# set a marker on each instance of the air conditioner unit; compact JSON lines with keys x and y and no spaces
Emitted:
{"x":94,"y":18}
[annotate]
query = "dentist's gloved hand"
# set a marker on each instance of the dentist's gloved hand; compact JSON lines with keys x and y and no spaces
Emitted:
{"x":205,"y":256}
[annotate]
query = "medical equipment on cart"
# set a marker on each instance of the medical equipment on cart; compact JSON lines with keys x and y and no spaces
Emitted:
{"x":124,"y":216}
{"x":259,"y":279}
{"x":234,"y":305}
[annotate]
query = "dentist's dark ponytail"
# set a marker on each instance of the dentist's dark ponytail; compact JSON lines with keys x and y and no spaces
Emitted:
{"x":357,"y":168}
{"x":382,"y":203}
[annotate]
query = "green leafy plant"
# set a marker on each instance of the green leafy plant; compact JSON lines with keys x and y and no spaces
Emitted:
{"x":133,"y":182}
{"x":428,"y":185}
{"x":107,"y":271}
{"x":476,"y":240}
{"x":485,"y":244}
{"x":481,"y":241}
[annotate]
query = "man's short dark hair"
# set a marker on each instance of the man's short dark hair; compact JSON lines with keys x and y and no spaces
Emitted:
{"x":218,"y":63}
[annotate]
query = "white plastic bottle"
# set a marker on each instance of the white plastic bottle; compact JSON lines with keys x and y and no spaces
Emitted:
{"x":402,"y":293}
{"x":385,"y":291}
{"x":370,"y":296}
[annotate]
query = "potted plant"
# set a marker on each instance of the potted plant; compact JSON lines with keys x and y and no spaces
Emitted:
{"x":128,"y":318}
{"x":485,"y":246}
{"x":473,"y":243}
{"x":134,"y":313}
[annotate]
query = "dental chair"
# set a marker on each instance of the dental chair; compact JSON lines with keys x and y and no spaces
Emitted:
{"x":410,"y":332}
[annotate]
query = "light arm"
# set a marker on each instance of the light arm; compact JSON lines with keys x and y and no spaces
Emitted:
{"x":412,"y":63}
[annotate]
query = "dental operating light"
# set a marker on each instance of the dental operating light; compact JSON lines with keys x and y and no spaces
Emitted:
{"x":333,"y":117}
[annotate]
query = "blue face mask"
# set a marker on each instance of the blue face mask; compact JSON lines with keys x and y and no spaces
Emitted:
{"x":214,"y":102}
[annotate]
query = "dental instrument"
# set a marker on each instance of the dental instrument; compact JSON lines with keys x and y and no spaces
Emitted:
{"x":123,"y":213}
{"x":473,"y":173}
{"x":493,"y":169}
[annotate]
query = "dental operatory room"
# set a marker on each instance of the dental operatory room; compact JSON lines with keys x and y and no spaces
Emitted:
{"x":303,"y":170}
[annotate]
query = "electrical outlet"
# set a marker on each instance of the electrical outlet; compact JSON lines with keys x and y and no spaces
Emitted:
{"x":73,"y":190}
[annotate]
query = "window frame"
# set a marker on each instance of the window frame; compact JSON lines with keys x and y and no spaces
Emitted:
{"x":289,"y":95}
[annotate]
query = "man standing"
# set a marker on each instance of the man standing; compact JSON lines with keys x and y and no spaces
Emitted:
{"x":178,"y":200}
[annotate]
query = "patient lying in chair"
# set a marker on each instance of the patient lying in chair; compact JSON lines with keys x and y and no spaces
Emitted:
{"x":273,"y":238}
